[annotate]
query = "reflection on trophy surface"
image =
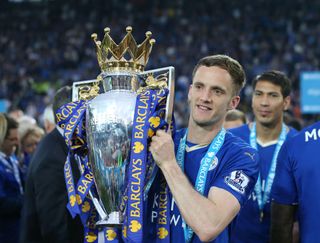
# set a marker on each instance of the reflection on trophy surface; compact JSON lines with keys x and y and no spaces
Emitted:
{"x":109,"y":127}
{"x":110,"y":115}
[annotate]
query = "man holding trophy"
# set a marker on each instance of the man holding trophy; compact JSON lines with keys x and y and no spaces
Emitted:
{"x":121,"y":136}
{"x":212,"y":172}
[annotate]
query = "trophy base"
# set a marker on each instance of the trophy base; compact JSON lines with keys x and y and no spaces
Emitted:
{"x":114,"y":219}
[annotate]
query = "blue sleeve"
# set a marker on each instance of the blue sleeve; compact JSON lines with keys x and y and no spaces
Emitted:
{"x":2,"y":176}
{"x":284,"y":190}
{"x":9,"y":205}
{"x":239,"y":174}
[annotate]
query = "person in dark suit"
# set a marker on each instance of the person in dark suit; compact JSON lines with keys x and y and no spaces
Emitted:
{"x":45,"y":217}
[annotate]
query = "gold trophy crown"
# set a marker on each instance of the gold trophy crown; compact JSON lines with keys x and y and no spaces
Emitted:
{"x":112,"y":57}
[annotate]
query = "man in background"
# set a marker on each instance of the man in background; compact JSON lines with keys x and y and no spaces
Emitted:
{"x":271,"y":97}
{"x":45,"y":217}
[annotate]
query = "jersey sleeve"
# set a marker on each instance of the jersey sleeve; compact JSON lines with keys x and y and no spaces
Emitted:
{"x":284,"y":190}
{"x":239,"y":174}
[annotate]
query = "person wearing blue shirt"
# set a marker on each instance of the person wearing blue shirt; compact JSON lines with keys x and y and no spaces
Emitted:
{"x":271,"y":97}
{"x":201,"y":187}
{"x":296,"y":188}
{"x":11,"y":188}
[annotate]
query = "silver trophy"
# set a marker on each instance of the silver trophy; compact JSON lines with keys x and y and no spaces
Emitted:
{"x":109,"y":116}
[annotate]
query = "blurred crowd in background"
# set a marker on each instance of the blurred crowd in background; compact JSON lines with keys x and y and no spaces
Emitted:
{"x":46,"y":44}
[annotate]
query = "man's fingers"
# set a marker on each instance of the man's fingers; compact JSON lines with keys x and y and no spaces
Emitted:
{"x":160,"y":132}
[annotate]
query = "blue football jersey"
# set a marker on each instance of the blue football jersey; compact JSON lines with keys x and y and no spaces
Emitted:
{"x":234,"y":168}
{"x":248,"y":227}
{"x":297,"y":180}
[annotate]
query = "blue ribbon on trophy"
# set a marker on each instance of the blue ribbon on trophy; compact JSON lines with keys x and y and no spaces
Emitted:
{"x":137,"y":168}
{"x":71,"y":118}
{"x":72,"y":205}
{"x":90,"y":230}
{"x":87,"y":207}
{"x":156,"y":121}
{"x":149,"y":116}
{"x":163,"y":212}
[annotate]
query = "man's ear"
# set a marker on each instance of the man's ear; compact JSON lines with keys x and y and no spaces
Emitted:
{"x":234,"y":102}
{"x":286,"y":103}
{"x":189,"y":92}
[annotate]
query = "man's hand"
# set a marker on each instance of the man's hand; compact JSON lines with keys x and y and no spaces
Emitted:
{"x":162,"y":148}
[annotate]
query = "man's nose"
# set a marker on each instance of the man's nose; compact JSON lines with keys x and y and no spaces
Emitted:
{"x":206,"y":95}
{"x":264,"y":100}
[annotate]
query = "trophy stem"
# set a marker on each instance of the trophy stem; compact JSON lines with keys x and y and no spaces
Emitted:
{"x":113,"y":220}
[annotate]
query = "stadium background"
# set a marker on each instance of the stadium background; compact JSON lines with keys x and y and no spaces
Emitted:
{"x":45,"y":44}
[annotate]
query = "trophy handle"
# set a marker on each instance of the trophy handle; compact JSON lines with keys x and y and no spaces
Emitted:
{"x":168,"y":77}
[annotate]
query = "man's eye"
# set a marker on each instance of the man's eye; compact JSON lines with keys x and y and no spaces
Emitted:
{"x":217,"y":91}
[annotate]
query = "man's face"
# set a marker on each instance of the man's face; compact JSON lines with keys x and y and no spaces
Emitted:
{"x":210,"y":96}
{"x":11,"y":142}
{"x":268,"y":103}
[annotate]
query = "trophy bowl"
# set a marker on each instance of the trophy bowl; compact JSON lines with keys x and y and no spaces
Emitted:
{"x":109,"y":127}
